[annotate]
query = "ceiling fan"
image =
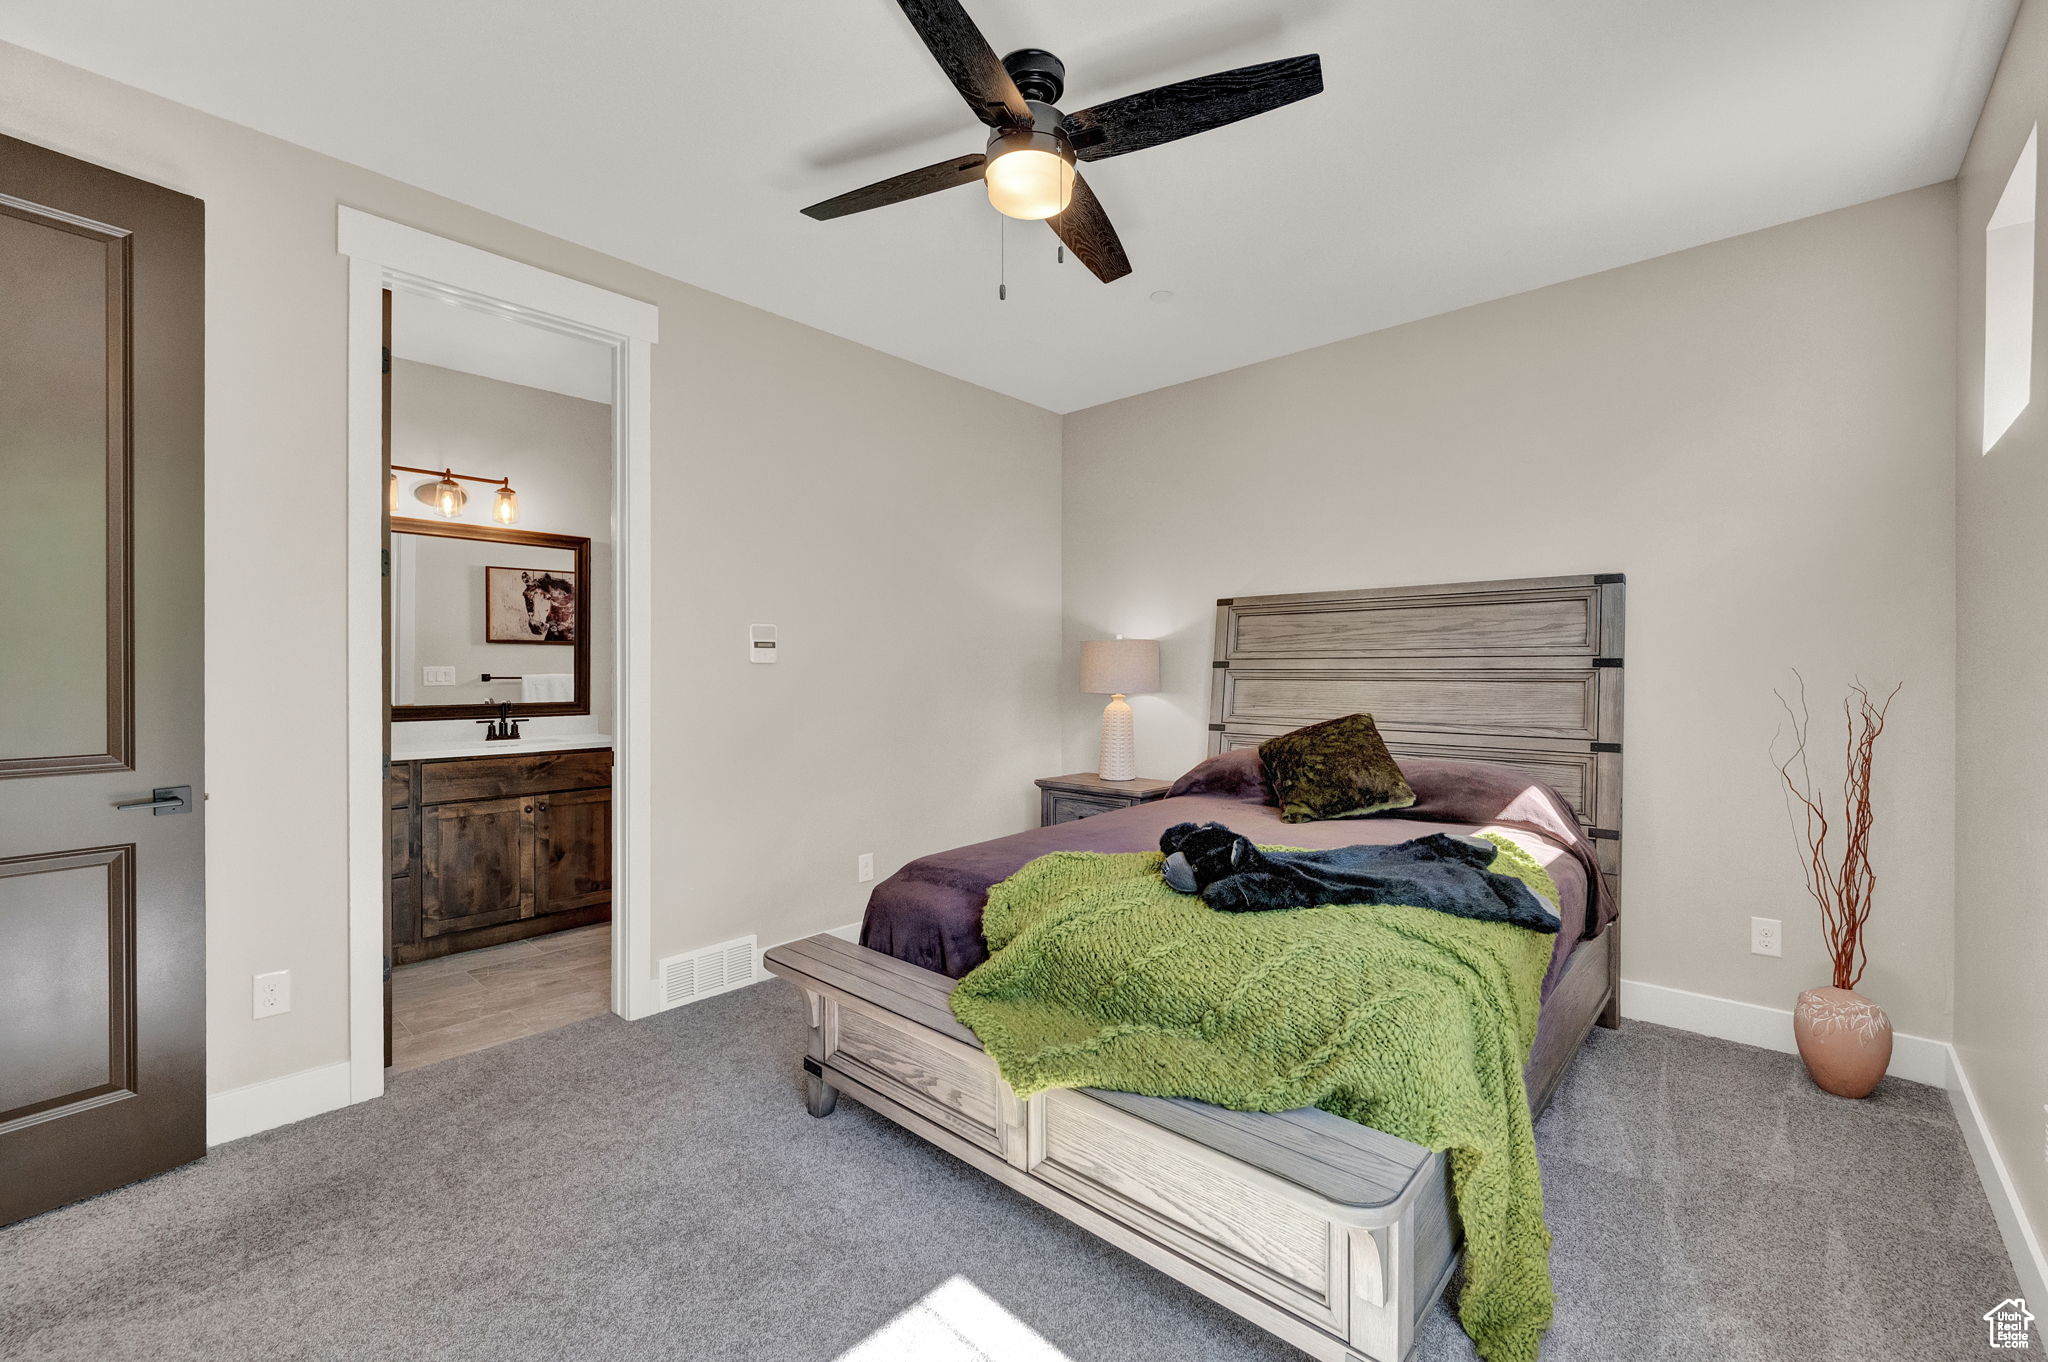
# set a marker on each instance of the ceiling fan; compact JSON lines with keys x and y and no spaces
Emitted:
{"x":1028,"y":166}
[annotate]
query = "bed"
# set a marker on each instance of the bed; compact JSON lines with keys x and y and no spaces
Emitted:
{"x":1502,"y":700}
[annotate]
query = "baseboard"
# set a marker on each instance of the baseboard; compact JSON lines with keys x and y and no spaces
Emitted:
{"x":1914,"y":1058}
{"x":276,"y":1102}
{"x":850,"y":932}
{"x":2022,"y":1245}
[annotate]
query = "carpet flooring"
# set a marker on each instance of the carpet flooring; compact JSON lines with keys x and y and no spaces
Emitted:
{"x":656,"y":1191}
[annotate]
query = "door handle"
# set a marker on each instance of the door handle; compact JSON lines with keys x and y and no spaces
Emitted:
{"x":164,"y":799}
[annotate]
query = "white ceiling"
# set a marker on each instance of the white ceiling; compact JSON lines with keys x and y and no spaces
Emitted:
{"x":1463,"y":150}
{"x":437,"y":331}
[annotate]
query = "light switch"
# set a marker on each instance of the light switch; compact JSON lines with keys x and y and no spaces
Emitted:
{"x":437,"y":676}
{"x":761,"y":643}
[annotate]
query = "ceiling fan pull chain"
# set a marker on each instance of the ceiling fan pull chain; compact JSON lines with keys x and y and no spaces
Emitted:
{"x":1060,"y":258}
{"x":1002,"y":259}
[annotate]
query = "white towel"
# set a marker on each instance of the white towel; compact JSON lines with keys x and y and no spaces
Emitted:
{"x":547,"y":688}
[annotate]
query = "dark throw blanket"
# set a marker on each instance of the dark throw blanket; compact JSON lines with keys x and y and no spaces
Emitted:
{"x":1447,"y":873}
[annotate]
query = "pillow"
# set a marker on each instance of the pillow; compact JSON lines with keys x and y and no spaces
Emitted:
{"x":1236,"y":774}
{"x":1336,"y":769}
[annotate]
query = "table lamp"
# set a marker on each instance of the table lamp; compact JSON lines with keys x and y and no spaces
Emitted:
{"x":1117,"y":667}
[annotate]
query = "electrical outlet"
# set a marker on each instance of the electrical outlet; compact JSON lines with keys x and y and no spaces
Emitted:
{"x":1766,"y":936}
{"x":865,"y":869}
{"x":273,"y":993}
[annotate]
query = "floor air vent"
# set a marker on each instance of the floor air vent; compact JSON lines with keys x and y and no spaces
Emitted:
{"x":701,"y":973}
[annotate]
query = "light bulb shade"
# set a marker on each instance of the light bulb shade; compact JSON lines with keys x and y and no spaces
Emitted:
{"x":1030,"y":184}
{"x":1030,"y":171}
{"x":1119,"y":666}
{"x":444,"y":495}
{"x":505,"y":505}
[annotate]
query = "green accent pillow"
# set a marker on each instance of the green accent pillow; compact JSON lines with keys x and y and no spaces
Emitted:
{"x":1336,"y":769}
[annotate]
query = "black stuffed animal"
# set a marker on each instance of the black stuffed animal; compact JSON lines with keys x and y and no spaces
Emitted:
{"x":1226,"y":869}
{"x":1199,"y":854}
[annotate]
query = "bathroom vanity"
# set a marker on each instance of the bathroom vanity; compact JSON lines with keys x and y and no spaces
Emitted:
{"x":498,"y":846}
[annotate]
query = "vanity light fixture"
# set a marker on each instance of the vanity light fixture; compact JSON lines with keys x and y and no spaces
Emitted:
{"x":446,"y":496}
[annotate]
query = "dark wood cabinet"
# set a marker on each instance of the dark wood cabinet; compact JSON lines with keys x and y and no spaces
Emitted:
{"x":476,"y":864}
{"x":493,"y":849}
{"x":403,"y":923}
{"x":572,"y":850}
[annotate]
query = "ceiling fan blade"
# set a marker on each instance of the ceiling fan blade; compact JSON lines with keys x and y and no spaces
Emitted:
{"x":968,"y":61}
{"x":1086,"y":230}
{"x":1171,"y":112}
{"x":912,"y":185}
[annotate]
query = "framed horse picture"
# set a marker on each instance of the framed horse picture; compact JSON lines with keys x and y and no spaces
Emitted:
{"x":529,"y":605}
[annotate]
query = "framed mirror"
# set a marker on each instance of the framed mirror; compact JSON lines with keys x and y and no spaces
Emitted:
{"x":482,"y":615}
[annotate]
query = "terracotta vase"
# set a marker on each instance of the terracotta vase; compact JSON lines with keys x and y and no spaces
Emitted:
{"x":1845,"y":1039}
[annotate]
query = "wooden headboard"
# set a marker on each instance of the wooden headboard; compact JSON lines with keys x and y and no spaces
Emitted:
{"x":1527,"y":673}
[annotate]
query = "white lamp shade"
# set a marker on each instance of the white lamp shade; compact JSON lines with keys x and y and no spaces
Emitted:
{"x":1119,"y":666}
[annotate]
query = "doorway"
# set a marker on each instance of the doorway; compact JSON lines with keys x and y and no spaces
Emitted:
{"x":492,"y":810}
{"x":498,"y":566}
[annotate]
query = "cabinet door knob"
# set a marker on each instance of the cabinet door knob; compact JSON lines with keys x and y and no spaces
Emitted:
{"x":529,"y":808}
{"x":543,"y":806}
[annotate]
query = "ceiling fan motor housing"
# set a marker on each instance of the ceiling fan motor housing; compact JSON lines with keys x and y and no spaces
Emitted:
{"x":1040,"y":76}
{"x":1044,"y":134}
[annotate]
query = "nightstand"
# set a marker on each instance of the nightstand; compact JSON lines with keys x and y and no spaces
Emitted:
{"x":1062,"y":799}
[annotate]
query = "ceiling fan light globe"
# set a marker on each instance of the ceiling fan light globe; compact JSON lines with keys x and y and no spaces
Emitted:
{"x":1030,"y":184}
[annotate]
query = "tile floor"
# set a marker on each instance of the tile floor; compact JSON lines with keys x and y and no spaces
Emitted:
{"x":462,"y":1003}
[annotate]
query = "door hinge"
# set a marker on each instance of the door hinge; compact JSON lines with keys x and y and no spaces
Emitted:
{"x":387,"y":562}
{"x":387,"y":359}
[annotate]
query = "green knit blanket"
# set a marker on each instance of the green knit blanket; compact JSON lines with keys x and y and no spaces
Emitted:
{"x":1407,"y":1020}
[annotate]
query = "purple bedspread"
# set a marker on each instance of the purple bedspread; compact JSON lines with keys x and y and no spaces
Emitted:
{"x":929,"y":912}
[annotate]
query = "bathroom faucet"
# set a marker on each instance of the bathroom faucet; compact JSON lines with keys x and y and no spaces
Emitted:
{"x":503,"y":727}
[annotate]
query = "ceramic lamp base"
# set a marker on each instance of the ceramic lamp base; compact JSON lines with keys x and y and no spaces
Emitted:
{"x":1119,"y":759}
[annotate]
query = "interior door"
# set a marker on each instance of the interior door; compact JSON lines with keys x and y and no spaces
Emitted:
{"x":102,"y":959}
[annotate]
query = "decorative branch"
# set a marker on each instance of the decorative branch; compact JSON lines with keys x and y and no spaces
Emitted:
{"x":1844,"y":890}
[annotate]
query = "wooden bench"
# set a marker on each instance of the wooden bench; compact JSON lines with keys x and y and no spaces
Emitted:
{"x":1332,"y":1236}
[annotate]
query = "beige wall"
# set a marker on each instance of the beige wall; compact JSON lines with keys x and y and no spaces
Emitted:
{"x":1757,"y":432}
{"x":901,"y":527}
{"x":2001,"y":1031}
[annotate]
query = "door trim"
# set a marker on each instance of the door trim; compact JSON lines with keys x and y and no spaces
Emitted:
{"x":387,"y":255}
